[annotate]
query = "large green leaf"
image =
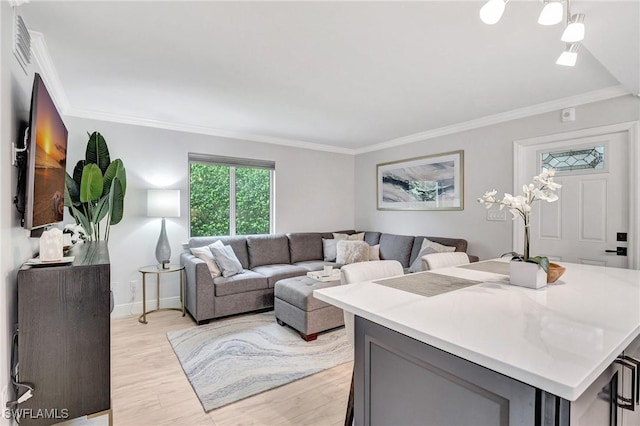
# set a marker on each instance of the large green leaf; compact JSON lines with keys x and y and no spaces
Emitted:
{"x":78,"y":215}
{"x":97,"y":151}
{"x":100,"y":210}
{"x":91,"y":186}
{"x":116,"y":201}
{"x":115,"y":169}
{"x":73,"y":189}
{"x":77,"y":172}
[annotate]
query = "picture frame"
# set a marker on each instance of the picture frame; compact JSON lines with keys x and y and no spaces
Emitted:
{"x":432,"y":182}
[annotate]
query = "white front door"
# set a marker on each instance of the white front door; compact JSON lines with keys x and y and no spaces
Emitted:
{"x":583,"y":226}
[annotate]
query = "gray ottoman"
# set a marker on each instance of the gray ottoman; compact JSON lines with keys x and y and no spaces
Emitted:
{"x":295,"y":306}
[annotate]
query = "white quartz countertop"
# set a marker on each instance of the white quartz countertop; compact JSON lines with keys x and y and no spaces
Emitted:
{"x":558,"y":338}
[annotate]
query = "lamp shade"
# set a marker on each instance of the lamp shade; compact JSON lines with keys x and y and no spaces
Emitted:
{"x":492,"y":11}
{"x":551,"y":14}
{"x":163,"y":202}
{"x":575,"y":30}
{"x":569,"y":57}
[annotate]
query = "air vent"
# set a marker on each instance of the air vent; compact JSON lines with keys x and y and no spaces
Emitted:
{"x":21,"y":42}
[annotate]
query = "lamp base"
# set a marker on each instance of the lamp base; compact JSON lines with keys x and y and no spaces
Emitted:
{"x":163,"y":249}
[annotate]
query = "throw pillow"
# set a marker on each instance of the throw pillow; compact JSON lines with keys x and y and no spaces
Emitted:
{"x":353,"y":237}
{"x":417,"y":265}
{"x":330,"y":250}
{"x":374,"y":252}
{"x":205,"y":254}
{"x":226,"y":260}
{"x":439,"y":248}
{"x":352,"y":252}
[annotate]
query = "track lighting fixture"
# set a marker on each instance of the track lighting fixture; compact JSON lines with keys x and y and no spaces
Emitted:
{"x":569,"y":57}
{"x":575,"y":29}
{"x":492,"y":11}
{"x":551,"y":14}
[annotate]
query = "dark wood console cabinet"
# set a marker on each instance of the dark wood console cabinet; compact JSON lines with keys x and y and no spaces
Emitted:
{"x":64,"y":336}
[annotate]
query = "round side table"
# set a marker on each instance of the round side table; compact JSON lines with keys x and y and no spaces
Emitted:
{"x":157,"y":270}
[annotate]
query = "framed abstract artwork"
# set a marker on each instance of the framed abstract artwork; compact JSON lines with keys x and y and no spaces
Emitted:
{"x":434,"y":182}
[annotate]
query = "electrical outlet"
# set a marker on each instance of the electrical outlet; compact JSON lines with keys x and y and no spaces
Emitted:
{"x":133,"y":287}
{"x":496,"y":215}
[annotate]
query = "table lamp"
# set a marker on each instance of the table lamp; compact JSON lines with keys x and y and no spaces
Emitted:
{"x":163,"y":203}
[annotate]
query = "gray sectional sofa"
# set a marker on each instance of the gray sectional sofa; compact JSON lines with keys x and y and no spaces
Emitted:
{"x":267,"y":259}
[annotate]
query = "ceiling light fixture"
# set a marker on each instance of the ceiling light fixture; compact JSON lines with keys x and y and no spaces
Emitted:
{"x":575,"y":29}
{"x":569,"y":57}
{"x":492,"y":11}
{"x":551,"y":14}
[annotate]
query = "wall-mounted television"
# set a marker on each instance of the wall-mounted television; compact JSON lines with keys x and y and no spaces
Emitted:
{"x":47,"y":159}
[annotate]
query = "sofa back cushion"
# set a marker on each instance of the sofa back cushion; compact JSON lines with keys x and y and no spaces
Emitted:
{"x":268,"y":250}
{"x":458,"y":243}
{"x":305,"y":246}
{"x":238,"y":244}
{"x":396,"y":247}
{"x":373,"y":238}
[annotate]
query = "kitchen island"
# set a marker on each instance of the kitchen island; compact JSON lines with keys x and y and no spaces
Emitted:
{"x":528,"y":356}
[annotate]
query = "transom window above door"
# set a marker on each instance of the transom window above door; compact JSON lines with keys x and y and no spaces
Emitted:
{"x":573,"y":160}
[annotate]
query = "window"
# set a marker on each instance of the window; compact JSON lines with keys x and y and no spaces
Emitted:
{"x":230,"y":196}
{"x":591,"y":158}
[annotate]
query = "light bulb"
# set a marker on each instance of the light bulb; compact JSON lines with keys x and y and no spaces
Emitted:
{"x":575,"y":30}
{"x":569,"y":57}
{"x":551,"y":14}
{"x":492,"y":11}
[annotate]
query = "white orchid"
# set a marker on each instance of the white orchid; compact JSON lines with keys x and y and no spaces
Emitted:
{"x":542,"y":188}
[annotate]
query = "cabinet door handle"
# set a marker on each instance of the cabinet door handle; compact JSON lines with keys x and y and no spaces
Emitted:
{"x":637,"y":364}
{"x":623,"y":402}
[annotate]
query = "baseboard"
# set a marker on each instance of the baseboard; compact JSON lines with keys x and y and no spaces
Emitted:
{"x":135,"y":309}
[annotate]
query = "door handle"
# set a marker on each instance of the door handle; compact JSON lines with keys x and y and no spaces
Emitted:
{"x":623,"y":402}
{"x":620,"y":251}
{"x":635,"y":361}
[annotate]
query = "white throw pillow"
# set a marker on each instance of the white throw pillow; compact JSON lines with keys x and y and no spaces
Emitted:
{"x":205,"y":254}
{"x":330,"y":249}
{"x":439,"y":248}
{"x":374,"y":252}
{"x":352,"y":252}
{"x":418,"y":265}
{"x":226,"y":260}
{"x":353,"y":237}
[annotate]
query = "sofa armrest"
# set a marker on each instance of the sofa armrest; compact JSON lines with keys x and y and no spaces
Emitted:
{"x":199,"y":290}
{"x":473,"y":258}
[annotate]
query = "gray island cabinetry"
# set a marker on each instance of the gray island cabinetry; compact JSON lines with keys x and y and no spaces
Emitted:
{"x":489,"y":353}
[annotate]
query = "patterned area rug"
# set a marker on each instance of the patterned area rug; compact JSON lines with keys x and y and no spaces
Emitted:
{"x":235,"y":358}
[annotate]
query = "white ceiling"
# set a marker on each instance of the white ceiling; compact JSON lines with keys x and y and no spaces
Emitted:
{"x":342,"y":74}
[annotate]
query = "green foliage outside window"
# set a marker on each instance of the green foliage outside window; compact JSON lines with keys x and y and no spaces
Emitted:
{"x":210,"y":202}
{"x":252,"y":201}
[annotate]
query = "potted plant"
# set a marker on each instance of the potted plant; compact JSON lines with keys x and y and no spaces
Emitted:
{"x":95,"y":193}
{"x":526,"y":270}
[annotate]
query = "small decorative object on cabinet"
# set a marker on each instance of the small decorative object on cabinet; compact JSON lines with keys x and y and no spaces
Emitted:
{"x":64,"y":337}
{"x":542,"y":188}
{"x":555,"y":272}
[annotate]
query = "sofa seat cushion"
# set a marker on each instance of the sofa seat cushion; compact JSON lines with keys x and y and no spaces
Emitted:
{"x":298,"y":291}
{"x":315,"y":265}
{"x":274,"y":273}
{"x":268,"y":250}
{"x":240,"y":283}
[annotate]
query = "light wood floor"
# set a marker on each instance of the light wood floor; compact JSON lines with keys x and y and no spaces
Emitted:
{"x":149,"y":387}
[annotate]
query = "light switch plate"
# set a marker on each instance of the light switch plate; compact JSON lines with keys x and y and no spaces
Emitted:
{"x":496,"y":215}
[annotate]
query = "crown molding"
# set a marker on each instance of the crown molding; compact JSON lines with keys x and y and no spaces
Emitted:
{"x":48,"y":71}
{"x":50,"y":76}
{"x":203,"y":130}
{"x":571,"y":101}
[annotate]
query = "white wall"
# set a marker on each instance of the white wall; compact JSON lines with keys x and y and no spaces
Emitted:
{"x":314,"y":192}
{"x":15,"y":245}
{"x":488,"y":157}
